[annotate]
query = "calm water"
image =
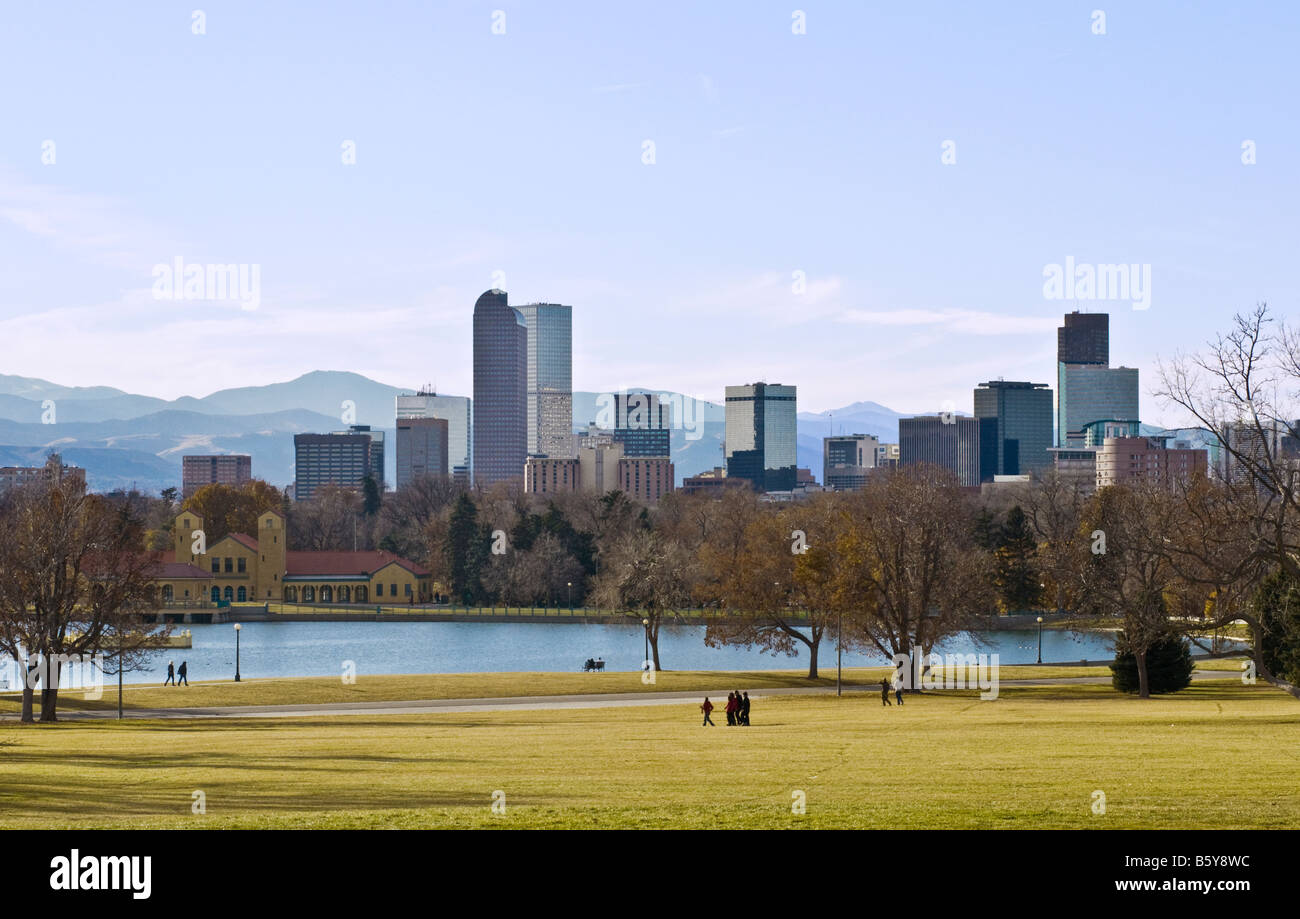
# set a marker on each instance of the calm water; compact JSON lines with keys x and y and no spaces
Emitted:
{"x":282,"y":649}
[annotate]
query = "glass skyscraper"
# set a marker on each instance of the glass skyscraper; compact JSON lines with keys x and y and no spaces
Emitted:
{"x":1023,"y":415}
{"x":550,"y":378}
{"x":458,"y":411}
{"x":1088,"y":389}
{"x":500,"y":389}
{"x":761,"y":435}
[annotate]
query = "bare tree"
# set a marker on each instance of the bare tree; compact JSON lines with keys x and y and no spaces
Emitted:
{"x":648,"y":574}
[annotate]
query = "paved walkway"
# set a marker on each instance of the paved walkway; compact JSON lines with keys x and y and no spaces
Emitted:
{"x":518,"y":703}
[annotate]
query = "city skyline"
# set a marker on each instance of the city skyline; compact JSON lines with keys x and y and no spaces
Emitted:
{"x":711,"y":240}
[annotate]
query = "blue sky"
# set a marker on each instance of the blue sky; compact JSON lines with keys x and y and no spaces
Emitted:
{"x":522,"y":153}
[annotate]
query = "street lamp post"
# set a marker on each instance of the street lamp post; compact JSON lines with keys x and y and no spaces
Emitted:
{"x":645,"y":624}
{"x":839,"y":655}
{"x":1040,"y":639}
{"x":238,"y":629}
{"x":570,"y":585}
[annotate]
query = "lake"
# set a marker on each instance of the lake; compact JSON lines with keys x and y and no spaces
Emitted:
{"x":289,"y":649}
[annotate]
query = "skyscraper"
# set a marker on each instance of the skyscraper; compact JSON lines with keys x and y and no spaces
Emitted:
{"x":1091,"y":392}
{"x":458,"y":411}
{"x":500,"y":389}
{"x":550,"y":378}
{"x":637,"y":420}
{"x":1088,"y":389}
{"x":421,"y":448}
{"x":1022,"y":413}
{"x":345,"y":459}
{"x":760,"y":435}
{"x":218,"y":469}
{"x":966,"y":446}
{"x":1084,"y":339}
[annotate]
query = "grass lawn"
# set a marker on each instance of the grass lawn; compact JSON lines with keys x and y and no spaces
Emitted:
{"x":304,"y":690}
{"x":1218,"y":754}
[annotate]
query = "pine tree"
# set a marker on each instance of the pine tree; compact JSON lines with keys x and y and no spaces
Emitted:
{"x":1169,"y":666}
{"x":1017,"y":573}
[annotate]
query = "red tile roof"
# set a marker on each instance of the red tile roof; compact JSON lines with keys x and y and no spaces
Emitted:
{"x":346,"y":563}
{"x":245,"y":540}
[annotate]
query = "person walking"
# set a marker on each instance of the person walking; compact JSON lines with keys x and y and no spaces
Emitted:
{"x":744,"y":710}
{"x":898,"y":690}
{"x":171,"y":673}
{"x":181,"y":676}
{"x":707,"y":707}
{"x":884,"y":692}
{"x":731,"y":709}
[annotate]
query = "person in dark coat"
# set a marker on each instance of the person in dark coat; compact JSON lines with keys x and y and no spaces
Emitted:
{"x":171,"y":673}
{"x":707,"y":708}
{"x":181,"y":675}
{"x":731,"y":708}
{"x":744,"y":710}
{"x":884,"y":693}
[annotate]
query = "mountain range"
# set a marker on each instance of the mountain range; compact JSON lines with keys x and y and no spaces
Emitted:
{"x":126,"y":440}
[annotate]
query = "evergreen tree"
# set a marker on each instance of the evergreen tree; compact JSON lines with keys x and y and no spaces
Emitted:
{"x":1169,"y":666}
{"x":466,"y":549}
{"x":373,"y":499}
{"x":1017,"y":573}
{"x":1277,"y":603}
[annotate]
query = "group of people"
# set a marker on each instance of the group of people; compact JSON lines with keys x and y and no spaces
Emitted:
{"x":594,"y":663}
{"x":737,"y":709}
{"x":884,"y":691}
{"x":177,"y":677}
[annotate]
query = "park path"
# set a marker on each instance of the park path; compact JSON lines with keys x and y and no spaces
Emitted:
{"x":516,"y":703}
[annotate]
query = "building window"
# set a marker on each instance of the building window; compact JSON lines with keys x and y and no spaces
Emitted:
{"x":243,"y":594}
{"x":216,"y":566}
{"x":243,"y":565}
{"x":229,"y":594}
{"x":379,"y":590}
{"x":216,"y":594}
{"x":230,"y":566}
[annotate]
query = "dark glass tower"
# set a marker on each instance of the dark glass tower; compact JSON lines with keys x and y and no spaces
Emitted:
{"x":500,"y":389}
{"x":760,"y":436}
{"x":1023,"y":415}
{"x":1084,"y":339}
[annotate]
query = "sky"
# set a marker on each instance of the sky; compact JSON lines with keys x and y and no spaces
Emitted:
{"x":857,"y":198}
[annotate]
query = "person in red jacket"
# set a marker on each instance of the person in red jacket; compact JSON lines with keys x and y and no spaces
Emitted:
{"x":707,"y":707}
{"x":731,"y":708}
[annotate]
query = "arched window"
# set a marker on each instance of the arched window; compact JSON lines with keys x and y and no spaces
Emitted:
{"x":291,"y":595}
{"x":216,"y":594}
{"x":243,"y":594}
{"x":167,"y":593}
{"x":345,"y":594}
{"x":327,"y":594}
{"x":229,"y":594}
{"x":308,"y":594}
{"x":362,"y":594}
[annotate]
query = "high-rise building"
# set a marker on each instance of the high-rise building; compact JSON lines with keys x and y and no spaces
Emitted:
{"x":1090,"y":393}
{"x":639,"y":421}
{"x":550,"y":378}
{"x":847,"y":460}
{"x":458,"y":412}
{"x":344,"y":458}
{"x":1023,"y":415}
{"x":220,"y":469}
{"x":1084,"y":339}
{"x":421,"y":448}
{"x":600,"y":466}
{"x":760,"y":437}
{"x":966,"y":446}
{"x":500,"y":389}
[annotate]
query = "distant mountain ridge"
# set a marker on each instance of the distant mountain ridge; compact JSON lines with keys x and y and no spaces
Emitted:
{"x":124,"y":439}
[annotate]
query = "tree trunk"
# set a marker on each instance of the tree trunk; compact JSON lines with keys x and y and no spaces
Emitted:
{"x":28,"y":694}
{"x":50,"y":693}
{"x":654,"y":644}
{"x":1144,"y":683}
{"x":812,"y":659}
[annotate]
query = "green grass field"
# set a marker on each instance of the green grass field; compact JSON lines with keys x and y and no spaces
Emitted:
{"x":307,"y":690}
{"x":1218,"y":754}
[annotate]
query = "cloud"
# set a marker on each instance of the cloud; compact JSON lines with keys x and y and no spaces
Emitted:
{"x":971,"y":322}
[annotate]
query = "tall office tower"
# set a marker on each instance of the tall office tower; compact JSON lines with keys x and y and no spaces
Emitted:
{"x":966,"y":446}
{"x":550,"y":378}
{"x":421,"y":448}
{"x":458,"y":412}
{"x":375,"y":453}
{"x":343,"y":459}
{"x":639,"y":421}
{"x":219,"y":469}
{"x":760,"y":435}
{"x":1089,"y":393}
{"x":1023,"y":415}
{"x":500,"y":390}
{"x":848,"y":459}
{"x":1084,"y":339}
